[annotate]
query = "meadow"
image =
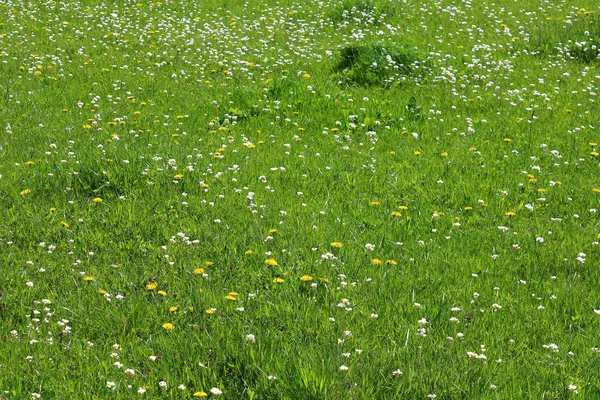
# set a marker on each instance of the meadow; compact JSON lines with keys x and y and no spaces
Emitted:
{"x":281,"y":199}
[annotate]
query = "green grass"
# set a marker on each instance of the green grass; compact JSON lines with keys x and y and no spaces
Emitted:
{"x":255,"y":199}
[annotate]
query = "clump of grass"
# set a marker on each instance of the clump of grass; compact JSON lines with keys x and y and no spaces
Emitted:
{"x":583,"y":42}
{"x":375,"y":65}
{"x":576,"y":40}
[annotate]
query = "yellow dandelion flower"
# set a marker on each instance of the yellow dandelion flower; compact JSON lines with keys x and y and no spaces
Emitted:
{"x":231,"y":298}
{"x":391,"y":262}
{"x":375,"y":203}
{"x":152,"y":286}
{"x":278,"y":280}
{"x":63,"y":223}
{"x":199,"y":271}
{"x":29,"y":163}
{"x":596,"y":190}
{"x":272,"y":230}
{"x":467,"y":208}
{"x":178,"y":176}
{"x":510,"y":213}
{"x":507,"y":140}
{"x":52,"y":208}
{"x":200,"y":394}
{"x":210,"y":311}
{"x":444,"y":154}
{"x":593,"y":144}
{"x":88,"y":278}
{"x":97,"y":200}
{"x":325,"y":280}
{"x":191,"y":308}
{"x":305,"y":75}
{"x":26,"y":191}
{"x":162,"y":293}
{"x":248,"y":252}
{"x":595,"y":153}
{"x":271,"y":262}
{"x":403,"y":208}
{"x":337,"y":245}
{"x":396,"y":214}
{"x":101,"y":291}
{"x":416,"y":153}
{"x":306,"y":278}
{"x":168,"y":326}
{"x":376,"y":261}
{"x":208,"y":263}
{"x":173,"y":308}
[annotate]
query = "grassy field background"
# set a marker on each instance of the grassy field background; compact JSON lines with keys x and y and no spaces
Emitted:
{"x":356,"y":199}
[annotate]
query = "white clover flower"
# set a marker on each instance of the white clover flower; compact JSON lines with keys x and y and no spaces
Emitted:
{"x":250,"y":338}
{"x":343,"y":368}
{"x":216,"y":391}
{"x":111,"y":385}
{"x":397,"y":373}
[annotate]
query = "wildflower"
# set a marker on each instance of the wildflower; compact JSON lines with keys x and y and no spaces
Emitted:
{"x":111,"y":385}
{"x":337,"y":245}
{"x":248,"y":252}
{"x":306,"y":278}
{"x":396,"y":373}
{"x":210,"y":311}
{"x":510,"y":213}
{"x":250,"y":338}
{"x":376,"y":261}
{"x":200,"y":394}
{"x":162,"y":292}
{"x":597,"y":312}
{"x":173,"y":308}
{"x":88,"y":278}
{"x":162,"y":384}
{"x":216,"y":391}
{"x":278,"y":280}
{"x":129,"y":372}
{"x":141,"y":390}
{"x":151,"y":286}
{"x":343,"y":368}
{"x":63,"y":223}
{"x":271,"y":262}
{"x":26,"y":191}
{"x":198,"y":271}
{"x":168,"y":326}
{"x":97,"y":200}
{"x":231,"y":298}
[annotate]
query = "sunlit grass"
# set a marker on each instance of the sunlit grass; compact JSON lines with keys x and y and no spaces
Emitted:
{"x":299,"y":200}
